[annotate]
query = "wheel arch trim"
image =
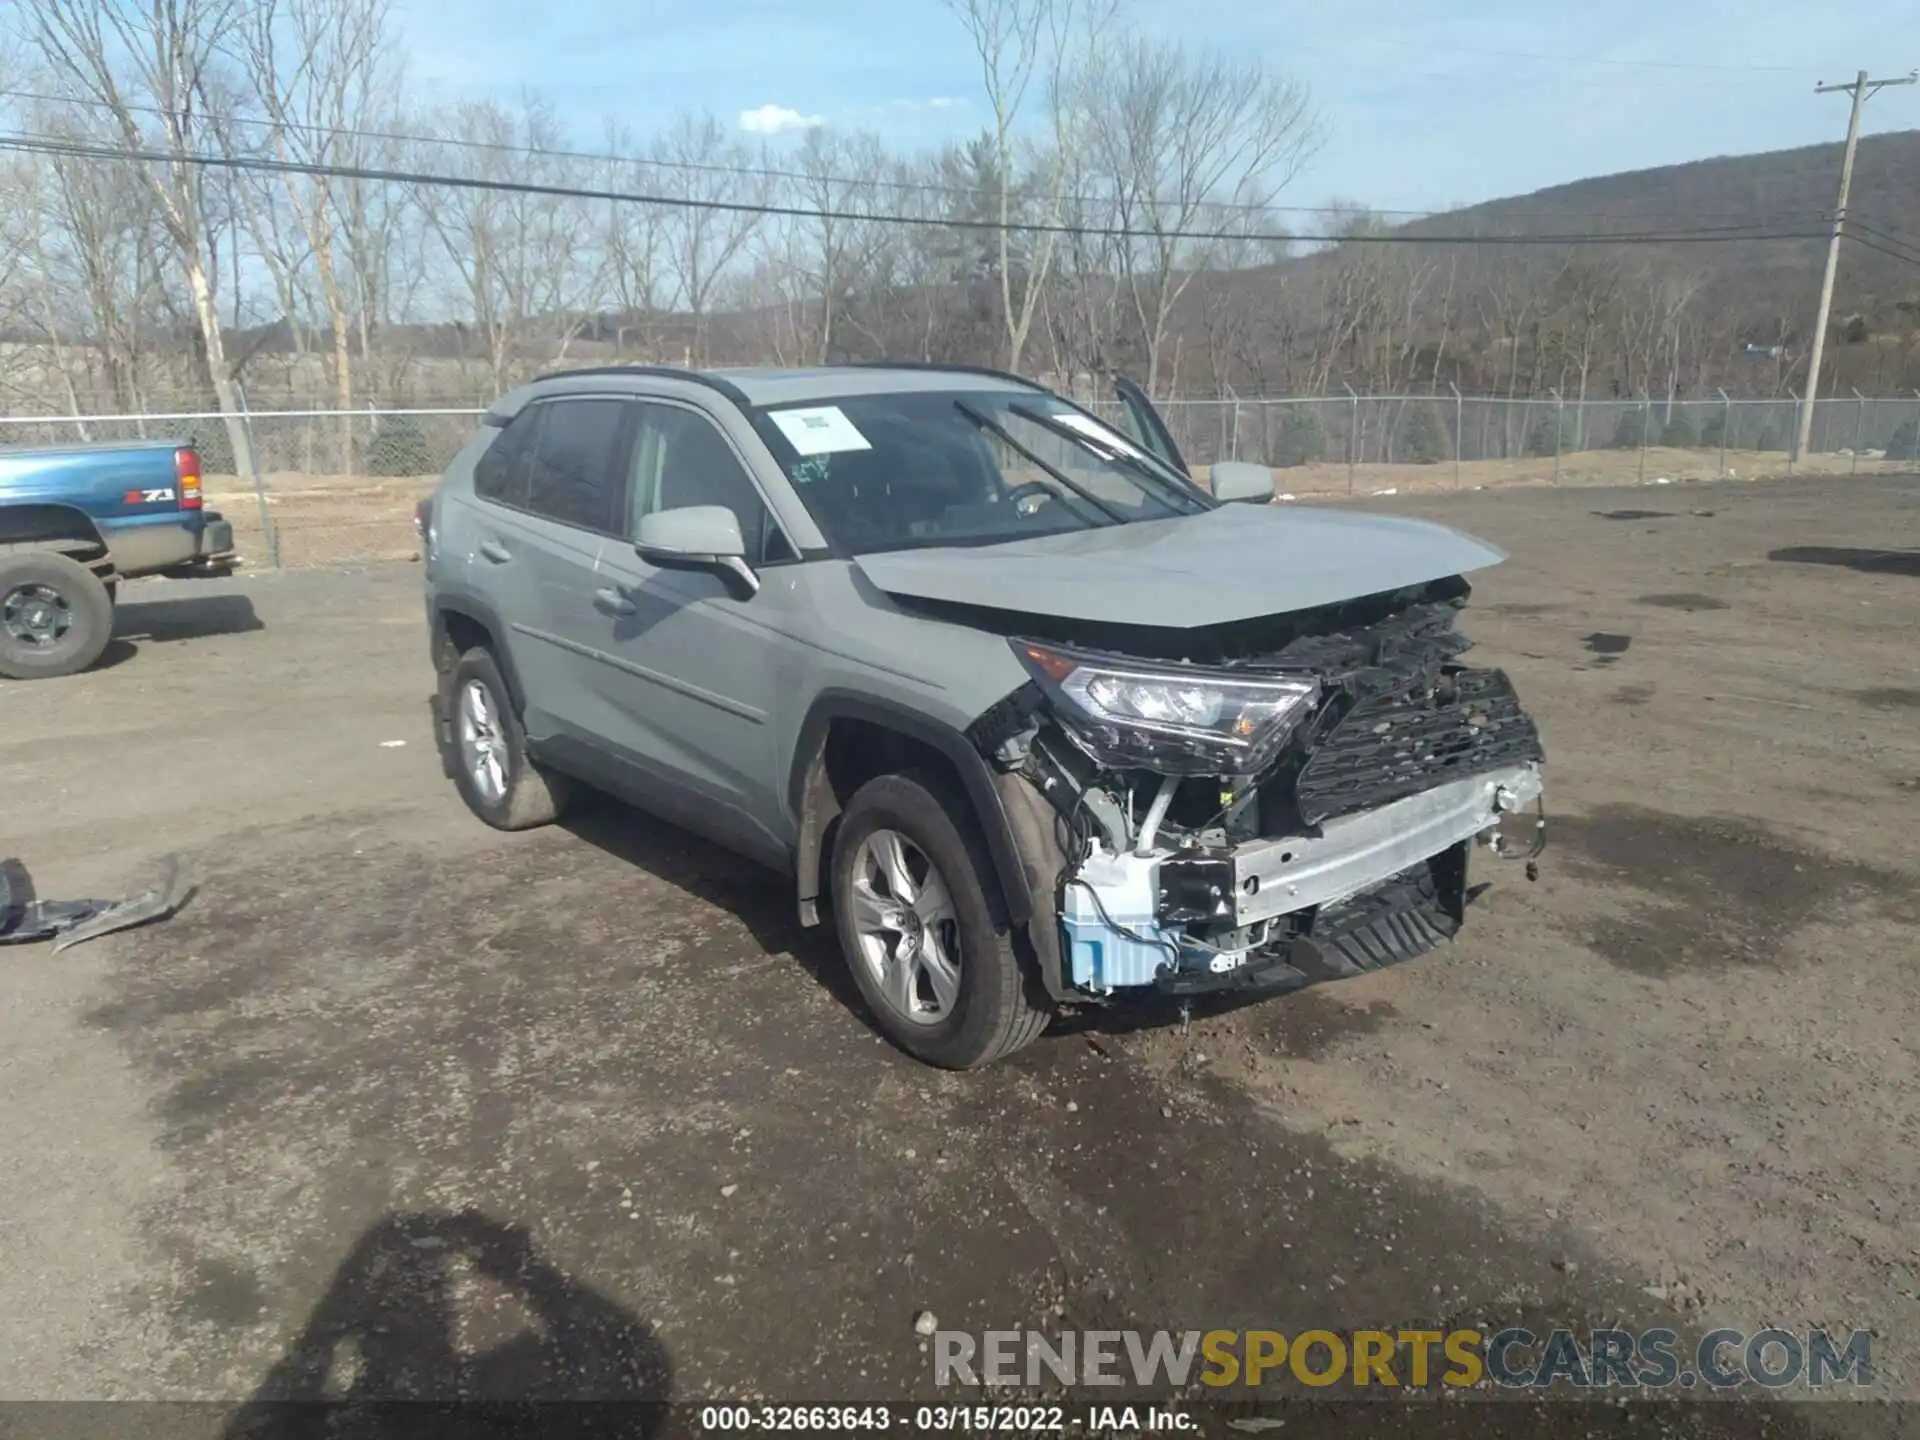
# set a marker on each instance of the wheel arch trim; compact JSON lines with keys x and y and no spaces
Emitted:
{"x":480,"y":613}
{"x":814,"y":807}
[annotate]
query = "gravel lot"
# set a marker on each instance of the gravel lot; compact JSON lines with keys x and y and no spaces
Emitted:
{"x":388,"y":1057}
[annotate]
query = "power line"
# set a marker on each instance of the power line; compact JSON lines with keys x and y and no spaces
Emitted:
{"x":49,"y":145}
{"x":868,"y":182}
{"x":612,"y":158}
{"x":1857,"y":227}
{"x":1867,"y":244}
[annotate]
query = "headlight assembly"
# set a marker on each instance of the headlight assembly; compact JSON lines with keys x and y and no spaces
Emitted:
{"x":1176,"y":720}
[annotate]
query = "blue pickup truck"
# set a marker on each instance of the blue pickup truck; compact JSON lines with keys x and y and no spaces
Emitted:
{"x":74,"y":522}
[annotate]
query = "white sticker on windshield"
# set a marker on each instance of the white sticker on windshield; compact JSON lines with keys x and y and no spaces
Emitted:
{"x":1096,"y":432}
{"x":819,"y":430}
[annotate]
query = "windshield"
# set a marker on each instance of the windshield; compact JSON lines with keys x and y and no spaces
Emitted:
{"x":890,"y":472}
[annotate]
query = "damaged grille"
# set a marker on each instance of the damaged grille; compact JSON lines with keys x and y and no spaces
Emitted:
{"x":1401,"y":653}
{"x":1389,"y":747}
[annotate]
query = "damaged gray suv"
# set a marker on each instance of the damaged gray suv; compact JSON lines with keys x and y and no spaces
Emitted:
{"x":1038,"y":721}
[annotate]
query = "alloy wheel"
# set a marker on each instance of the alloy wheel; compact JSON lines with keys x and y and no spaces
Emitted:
{"x":907,"y":928}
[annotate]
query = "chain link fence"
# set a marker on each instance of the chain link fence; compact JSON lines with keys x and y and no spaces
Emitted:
{"x":1689,"y":439}
{"x":339,"y":487}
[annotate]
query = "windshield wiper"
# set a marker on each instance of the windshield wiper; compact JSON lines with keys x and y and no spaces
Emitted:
{"x":997,"y":430}
{"x":1185,"y":490}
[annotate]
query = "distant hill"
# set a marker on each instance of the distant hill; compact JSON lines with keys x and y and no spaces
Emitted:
{"x":1784,"y":189}
{"x":1677,"y":317}
{"x":1391,"y":317}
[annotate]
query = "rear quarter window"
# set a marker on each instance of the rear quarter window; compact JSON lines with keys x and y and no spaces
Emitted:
{"x":502,"y":472}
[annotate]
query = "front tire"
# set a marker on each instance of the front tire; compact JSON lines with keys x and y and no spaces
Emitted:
{"x":491,"y":768}
{"x":923,"y":931}
{"x":55,"y":616}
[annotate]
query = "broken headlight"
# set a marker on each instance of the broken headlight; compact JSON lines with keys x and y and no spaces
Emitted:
{"x":1175,"y":720}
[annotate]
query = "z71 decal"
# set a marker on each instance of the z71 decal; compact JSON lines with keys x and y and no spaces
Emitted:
{"x":149,"y":497}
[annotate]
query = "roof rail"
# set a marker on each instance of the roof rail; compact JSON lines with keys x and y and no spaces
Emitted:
{"x":659,"y":372}
{"x":941,"y":365}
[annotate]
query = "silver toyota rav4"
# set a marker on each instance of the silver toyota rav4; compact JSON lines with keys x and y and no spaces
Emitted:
{"x":1037,"y":720}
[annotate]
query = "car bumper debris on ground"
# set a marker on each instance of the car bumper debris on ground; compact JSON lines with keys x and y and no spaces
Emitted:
{"x":25,"y":918}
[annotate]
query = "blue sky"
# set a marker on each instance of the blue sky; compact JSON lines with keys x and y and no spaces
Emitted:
{"x":1423,"y":106}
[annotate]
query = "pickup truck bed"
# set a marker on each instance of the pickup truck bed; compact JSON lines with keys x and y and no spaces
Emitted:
{"x":74,"y":520}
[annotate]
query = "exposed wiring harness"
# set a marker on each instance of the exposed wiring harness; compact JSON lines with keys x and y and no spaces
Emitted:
{"x":1159,"y":942}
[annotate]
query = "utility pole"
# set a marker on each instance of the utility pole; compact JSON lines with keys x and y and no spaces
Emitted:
{"x":1860,"y":88}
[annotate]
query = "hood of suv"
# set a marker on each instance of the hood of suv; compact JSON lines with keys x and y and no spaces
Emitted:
{"x":1233,"y":563}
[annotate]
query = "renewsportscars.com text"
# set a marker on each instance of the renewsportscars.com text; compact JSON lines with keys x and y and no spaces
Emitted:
{"x":1513,"y":1358}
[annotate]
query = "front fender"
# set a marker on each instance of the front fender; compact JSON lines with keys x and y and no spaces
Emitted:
{"x":814,"y":806}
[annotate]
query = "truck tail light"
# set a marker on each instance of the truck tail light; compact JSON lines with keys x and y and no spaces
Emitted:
{"x":423,"y":518}
{"x":186,"y":471}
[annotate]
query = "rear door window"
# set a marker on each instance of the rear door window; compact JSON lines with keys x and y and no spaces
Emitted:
{"x":578,"y":463}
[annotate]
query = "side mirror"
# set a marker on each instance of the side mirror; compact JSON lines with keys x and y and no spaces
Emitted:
{"x":696,"y":537}
{"x":1238,"y":480}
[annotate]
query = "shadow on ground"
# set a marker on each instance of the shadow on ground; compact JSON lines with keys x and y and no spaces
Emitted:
{"x":1869,"y":562}
{"x":760,"y":899}
{"x":191,"y":617}
{"x":454,"y":1306}
{"x":194,"y":617}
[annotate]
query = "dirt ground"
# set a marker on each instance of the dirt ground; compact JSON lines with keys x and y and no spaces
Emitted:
{"x":321,"y":520}
{"x":588,"y":1102}
{"x":1659,"y":466}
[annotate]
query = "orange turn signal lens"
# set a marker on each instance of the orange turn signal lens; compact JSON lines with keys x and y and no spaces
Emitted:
{"x":186,"y":472}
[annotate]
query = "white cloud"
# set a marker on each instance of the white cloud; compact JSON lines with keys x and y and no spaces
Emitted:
{"x":777,"y":120}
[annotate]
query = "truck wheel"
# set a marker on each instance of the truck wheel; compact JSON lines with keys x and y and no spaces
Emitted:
{"x":922,"y":927}
{"x":490,"y":765}
{"x":55,"y":616}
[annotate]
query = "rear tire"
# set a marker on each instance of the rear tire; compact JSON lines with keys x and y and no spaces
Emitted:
{"x":488,"y":753}
{"x":931,"y":950}
{"x":55,"y":616}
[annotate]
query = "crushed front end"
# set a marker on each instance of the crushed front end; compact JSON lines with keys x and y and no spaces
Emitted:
{"x":1265,"y":804}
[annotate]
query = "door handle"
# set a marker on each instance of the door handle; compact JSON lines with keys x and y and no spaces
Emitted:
{"x":614,"y":603}
{"x":495,"y":551}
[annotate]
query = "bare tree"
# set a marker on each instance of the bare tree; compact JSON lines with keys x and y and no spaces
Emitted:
{"x":1184,"y":141}
{"x":915,"y":303}
{"x":525,"y":265}
{"x":1588,"y":289}
{"x":164,"y":58}
{"x":385,"y":244}
{"x":1019,"y":41}
{"x":703,"y":169}
{"x":833,"y":247}
{"x":634,"y":240}
{"x":321,"y":69}
{"x":1083,"y":300}
{"x":1650,"y":310}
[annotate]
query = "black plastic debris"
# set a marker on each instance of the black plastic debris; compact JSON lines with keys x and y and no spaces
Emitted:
{"x":25,"y":919}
